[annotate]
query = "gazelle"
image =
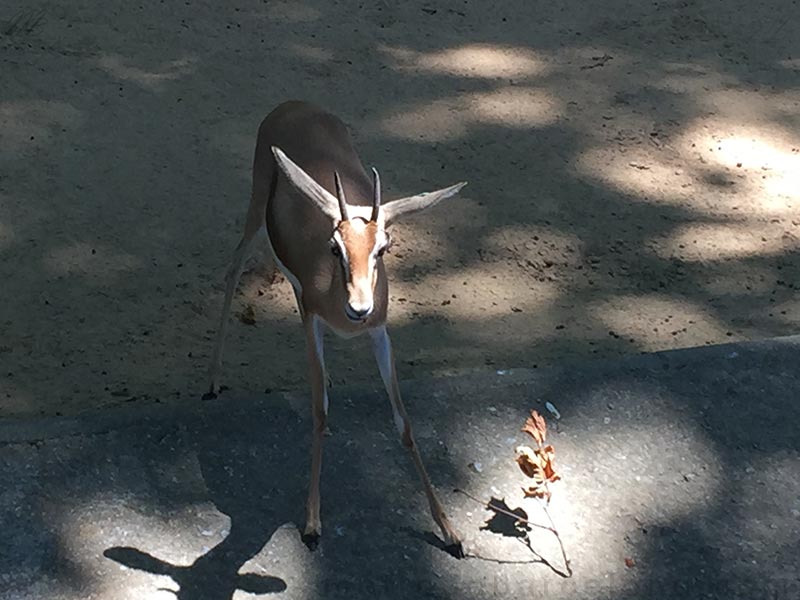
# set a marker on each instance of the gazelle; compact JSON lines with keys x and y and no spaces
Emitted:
{"x":327,"y":229}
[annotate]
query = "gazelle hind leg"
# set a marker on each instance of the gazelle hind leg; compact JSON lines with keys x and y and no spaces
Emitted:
{"x":382,"y":347}
{"x":255,"y":227}
{"x":231,"y":281}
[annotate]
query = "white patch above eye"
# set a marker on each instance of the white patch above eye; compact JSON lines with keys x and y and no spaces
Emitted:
{"x":381,"y":242}
{"x":358,"y":225}
{"x":337,"y":239}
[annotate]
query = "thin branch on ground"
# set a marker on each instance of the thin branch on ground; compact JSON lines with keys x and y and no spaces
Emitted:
{"x":502,"y":511}
{"x":526,"y":540}
{"x":558,"y":537}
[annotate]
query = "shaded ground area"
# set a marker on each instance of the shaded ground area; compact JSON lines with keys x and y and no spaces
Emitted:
{"x":687,"y":463}
{"x":633,"y":177}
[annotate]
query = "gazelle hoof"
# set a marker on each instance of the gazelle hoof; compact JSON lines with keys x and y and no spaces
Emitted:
{"x":214,"y":391}
{"x":311,"y":540}
{"x":456,"y":550}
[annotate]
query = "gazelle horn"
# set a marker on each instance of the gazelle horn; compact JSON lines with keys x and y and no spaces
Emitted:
{"x":376,"y":198}
{"x":340,"y":196}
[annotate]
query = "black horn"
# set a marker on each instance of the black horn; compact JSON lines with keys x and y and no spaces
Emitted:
{"x":340,"y":196}
{"x":376,"y":194}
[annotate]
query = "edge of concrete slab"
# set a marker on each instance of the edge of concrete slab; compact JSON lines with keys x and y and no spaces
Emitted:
{"x":32,"y":430}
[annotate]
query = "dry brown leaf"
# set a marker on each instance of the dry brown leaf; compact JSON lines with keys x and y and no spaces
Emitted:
{"x":536,"y":427}
{"x":538,"y":491}
{"x":630,"y":563}
{"x":528,"y":461}
{"x":538,"y":465}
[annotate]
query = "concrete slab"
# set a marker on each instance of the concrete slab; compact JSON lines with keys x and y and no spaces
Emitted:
{"x":686,"y":463}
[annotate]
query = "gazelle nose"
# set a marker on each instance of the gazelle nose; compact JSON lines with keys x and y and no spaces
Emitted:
{"x":358,"y":312}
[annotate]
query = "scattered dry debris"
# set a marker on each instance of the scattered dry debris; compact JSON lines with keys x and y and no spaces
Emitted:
{"x":248,"y":315}
{"x":599,"y":61}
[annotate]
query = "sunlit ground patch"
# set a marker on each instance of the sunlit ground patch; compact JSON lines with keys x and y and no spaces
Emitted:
{"x":81,"y":258}
{"x":6,"y":235}
{"x":120,"y":67}
{"x":451,"y":118}
{"x":283,"y":11}
{"x":656,"y":322}
{"x":29,"y":122}
{"x":715,"y":241}
{"x":473,"y":61}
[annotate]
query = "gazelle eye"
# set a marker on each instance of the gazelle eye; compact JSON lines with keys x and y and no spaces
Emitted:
{"x":385,"y":248}
{"x":335,"y":250}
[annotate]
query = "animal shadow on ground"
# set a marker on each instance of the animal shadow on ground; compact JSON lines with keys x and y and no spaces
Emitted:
{"x":254,"y":471}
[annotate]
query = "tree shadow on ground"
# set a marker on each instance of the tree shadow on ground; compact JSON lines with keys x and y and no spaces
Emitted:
{"x":160,"y":211}
{"x":157,"y":216}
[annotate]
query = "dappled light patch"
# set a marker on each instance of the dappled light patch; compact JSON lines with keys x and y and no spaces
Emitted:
{"x":738,"y":109}
{"x":483,"y":61}
{"x":790,"y":63}
{"x":6,"y":235}
{"x":436,"y":121}
{"x":577,"y":130}
{"x":514,"y":107}
{"x":80,"y":532}
{"x":711,"y":174}
{"x":470,"y":294}
{"x":82,"y":258}
{"x":311,"y":53}
{"x":648,"y":179}
{"x":656,"y":321}
{"x":737,"y":160}
{"x":771,"y":156}
{"x":731,"y":278}
{"x":692,"y":78}
{"x":766,"y":484}
{"x":720,"y":241}
{"x":448,"y":119}
{"x":535,"y":247}
{"x":285,"y":11}
{"x":152,"y":79}
{"x":631,"y":453}
{"x":16,"y":401}
{"x":31,"y":123}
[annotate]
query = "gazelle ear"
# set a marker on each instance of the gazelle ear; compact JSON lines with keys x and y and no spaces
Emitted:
{"x":305,"y":185}
{"x":397,"y":208}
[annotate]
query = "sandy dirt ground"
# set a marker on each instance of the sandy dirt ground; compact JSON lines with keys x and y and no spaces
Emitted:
{"x":634,"y":175}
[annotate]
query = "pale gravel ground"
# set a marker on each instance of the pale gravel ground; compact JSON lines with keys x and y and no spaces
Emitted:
{"x":633,"y":177}
{"x":684,"y":463}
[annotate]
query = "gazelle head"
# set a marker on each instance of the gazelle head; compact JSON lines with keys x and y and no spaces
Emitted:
{"x":359,"y":236}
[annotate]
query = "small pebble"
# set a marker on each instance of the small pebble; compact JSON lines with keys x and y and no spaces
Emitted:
{"x":552,"y":409}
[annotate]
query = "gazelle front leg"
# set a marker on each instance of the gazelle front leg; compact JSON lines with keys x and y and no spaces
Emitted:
{"x":319,"y":414}
{"x":382,"y":347}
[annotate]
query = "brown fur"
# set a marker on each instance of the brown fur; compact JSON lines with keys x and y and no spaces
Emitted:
{"x":300,"y":233}
{"x":359,"y":241}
